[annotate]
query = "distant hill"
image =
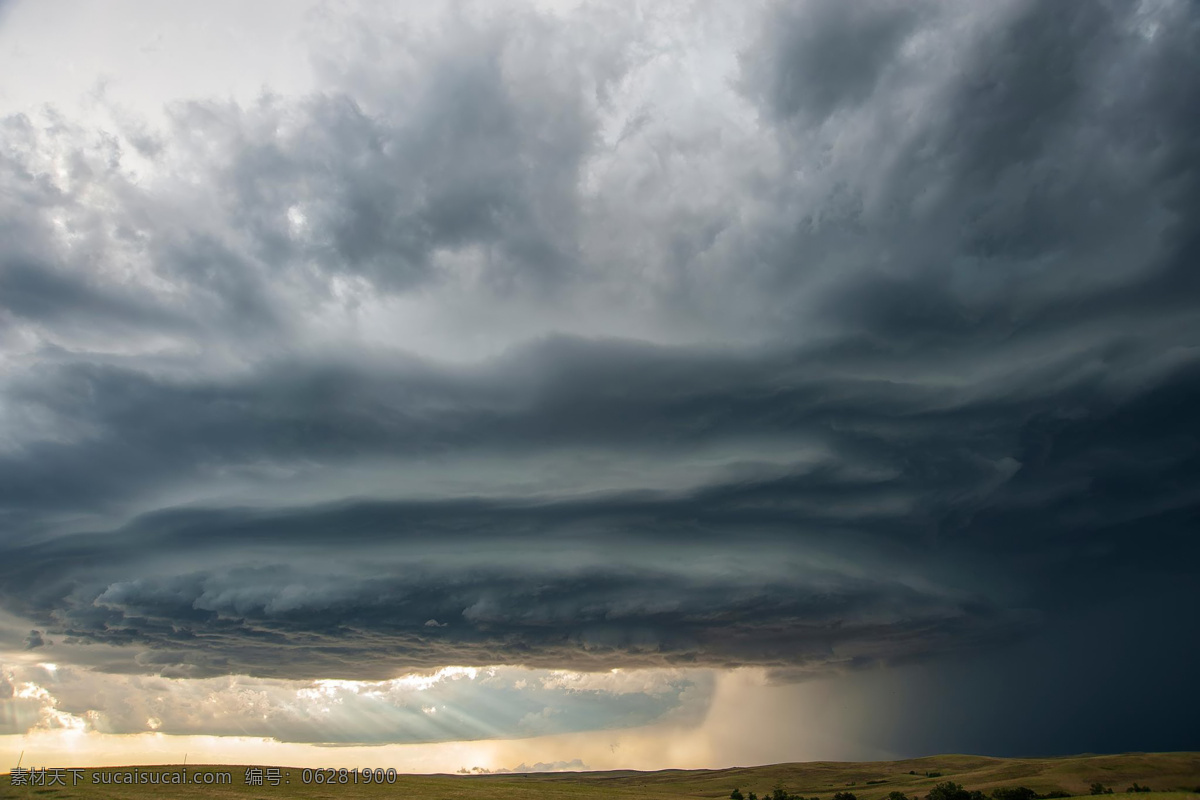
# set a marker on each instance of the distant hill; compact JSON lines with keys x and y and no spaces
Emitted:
{"x":1170,"y":776}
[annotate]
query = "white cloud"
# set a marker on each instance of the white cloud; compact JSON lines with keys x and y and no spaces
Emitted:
{"x":453,"y":703}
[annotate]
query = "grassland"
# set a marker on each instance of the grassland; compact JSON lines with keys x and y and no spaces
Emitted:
{"x":1173,"y":776}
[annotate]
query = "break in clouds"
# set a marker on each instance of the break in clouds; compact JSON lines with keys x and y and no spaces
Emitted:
{"x":809,"y":336}
{"x":451,"y":704}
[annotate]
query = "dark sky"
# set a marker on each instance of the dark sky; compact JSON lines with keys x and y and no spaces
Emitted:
{"x":838,"y":340}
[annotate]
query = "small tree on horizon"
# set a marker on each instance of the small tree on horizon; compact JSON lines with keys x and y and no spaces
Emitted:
{"x":1014,"y":793}
{"x":949,"y":790}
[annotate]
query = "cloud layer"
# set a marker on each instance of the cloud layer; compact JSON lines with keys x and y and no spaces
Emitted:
{"x":808,"y":336}
{"x":450,"y":704}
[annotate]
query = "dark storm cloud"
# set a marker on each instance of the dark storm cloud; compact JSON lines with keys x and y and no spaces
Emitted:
{"x":963,"y":302}
{"x":816,"y":57}
{"x":476,"y":138}
{"x":68,"y":266}
{"x":532,"y":599}
{"x":35,"y":292}
{"x":1042,"y":191}
{"x":476,"y":141}
{"x":561,"y":394}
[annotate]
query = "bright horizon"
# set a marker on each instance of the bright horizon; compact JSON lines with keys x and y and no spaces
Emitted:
{"x":742,"y":705}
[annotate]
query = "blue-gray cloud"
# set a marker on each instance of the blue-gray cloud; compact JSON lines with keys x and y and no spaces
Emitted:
{"x":880,"y":348}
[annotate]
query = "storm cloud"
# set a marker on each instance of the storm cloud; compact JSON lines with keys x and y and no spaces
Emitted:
{"x":812,"y":337}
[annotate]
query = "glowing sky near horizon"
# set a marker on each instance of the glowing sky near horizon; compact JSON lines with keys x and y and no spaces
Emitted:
{"x":679,"y":384}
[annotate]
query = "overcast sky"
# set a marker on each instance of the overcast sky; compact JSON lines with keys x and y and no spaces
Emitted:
{"x":610,"y":384}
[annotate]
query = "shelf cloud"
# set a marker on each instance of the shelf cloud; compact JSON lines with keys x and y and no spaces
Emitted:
{"x":811,"y":337}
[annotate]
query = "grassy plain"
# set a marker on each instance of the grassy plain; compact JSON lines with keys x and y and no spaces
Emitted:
{"x":1173,"y":776}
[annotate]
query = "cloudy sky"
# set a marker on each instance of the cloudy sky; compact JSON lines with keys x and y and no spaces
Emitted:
{"x":606,"y":384}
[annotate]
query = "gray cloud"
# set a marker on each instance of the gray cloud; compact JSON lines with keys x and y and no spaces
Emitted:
{"x":524,"y":342}
{"x":819,"y":56}
{"x":199,"y":625}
